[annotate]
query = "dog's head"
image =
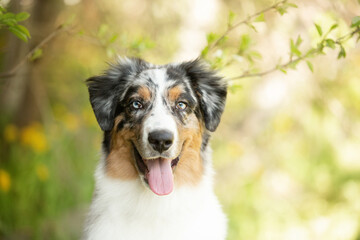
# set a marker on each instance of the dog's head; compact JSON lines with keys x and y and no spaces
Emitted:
{"x":156,"y":120}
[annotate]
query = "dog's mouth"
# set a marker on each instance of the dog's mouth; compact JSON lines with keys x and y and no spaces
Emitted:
{"x":158,"y":172}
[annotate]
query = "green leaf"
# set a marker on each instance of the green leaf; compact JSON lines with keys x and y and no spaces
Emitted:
{"x":333,"y":27}
{"x":23,"y":29}
{"x":355,"y":22}
{"x":260,"y":18}
{"x":222,"y":40}
{"x":113,"y":38}
{"x":320,"y":47}
{"x":8,"y":16}
{"x":217,"y":63}
{"x":231,"y":18}
{"x":298,"y":41}
{"x":235,"y":87}
{"x":330,"y":43}
{"x":281,"y":67}
{"x":294,"y":49}
{"x":137,"y":46}
{"x":293,"y":64}
{"x":252,"y":27}
{"x":281,"y":10}
{"x":342,"y":53}
{"x":205,"y":51}
{"x":37,"y":54}
{"x":255,"y":54}
{"x":245,"y":41}
{"x":22,"y":16}
{"x":311,"y":52}
{"x":311,"y":67}
{"x":17,"y":32}
{"x":249,"y":58}
{"x":282,"y":70}
{"x":293,"y":5}
{"x":8,"y":19}
{"x":211,"y":37}
{"x":10,"y":22}
{"x":319,"y":30}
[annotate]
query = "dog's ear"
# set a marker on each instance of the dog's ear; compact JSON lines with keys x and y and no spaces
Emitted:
{"x":103,"y":99}
{"x":210,"y":89}
{"x":105,"y":90}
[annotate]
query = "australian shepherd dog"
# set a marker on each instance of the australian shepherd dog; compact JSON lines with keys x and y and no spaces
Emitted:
{"x":154,"y":180}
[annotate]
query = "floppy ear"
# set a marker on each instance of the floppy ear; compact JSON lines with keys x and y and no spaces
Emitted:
{"x":103,"y":92}
{"x":210,"y":89}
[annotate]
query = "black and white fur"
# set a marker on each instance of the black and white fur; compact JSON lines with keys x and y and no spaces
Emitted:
{"x":127,"y":209}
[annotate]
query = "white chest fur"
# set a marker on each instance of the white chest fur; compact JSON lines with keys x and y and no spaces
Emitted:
{"x":127,"y":210}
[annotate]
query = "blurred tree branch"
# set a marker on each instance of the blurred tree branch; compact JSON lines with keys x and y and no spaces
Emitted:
{"x":223,"y":58}
{"x":325,"y":42}
{"x":60,"y":29}
{"x":215,"y":41}
{"x":246,"y":21}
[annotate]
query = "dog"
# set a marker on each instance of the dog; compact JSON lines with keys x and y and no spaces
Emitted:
{"x":155,"y":178}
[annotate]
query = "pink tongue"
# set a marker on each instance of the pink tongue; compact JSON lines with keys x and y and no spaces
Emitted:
{"x":160,"y":176}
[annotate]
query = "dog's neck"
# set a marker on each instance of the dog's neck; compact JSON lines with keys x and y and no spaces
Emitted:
{"x":122,"y":208}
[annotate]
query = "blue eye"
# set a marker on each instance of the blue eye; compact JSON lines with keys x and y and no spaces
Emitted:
{"x":181,"y":105}
{"x":136,"y":105}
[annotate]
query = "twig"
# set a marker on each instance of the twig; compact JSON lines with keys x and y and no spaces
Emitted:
{"x":347,"y":36}
{"x":260,"y":74}
{"x":295,"y":60}
{"x":245,"y":21}
{"x":53,"y":34}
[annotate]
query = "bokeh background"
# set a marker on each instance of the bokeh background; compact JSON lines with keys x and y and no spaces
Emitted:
{"x":287,"y":152}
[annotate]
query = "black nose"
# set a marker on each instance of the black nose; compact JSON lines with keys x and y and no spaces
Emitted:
{"x":161,"y":140}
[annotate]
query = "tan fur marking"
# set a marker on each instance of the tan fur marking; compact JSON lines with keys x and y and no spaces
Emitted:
{"x":174,"y":93}
{"x":120,"y":163}
{"x":145,"y":93}
{"x":190,"y":167}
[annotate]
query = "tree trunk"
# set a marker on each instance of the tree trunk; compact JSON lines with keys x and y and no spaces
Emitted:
{"x":13,"y":87}
{"x":23,"y":93}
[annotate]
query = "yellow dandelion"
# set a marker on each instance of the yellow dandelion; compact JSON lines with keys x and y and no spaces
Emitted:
{"x":10,"y":133}
{"x":33,"y":136}
{"x":42,"y":172}
{"x":5,"y":181}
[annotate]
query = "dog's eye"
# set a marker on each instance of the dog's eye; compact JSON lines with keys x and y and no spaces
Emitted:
{"x":136,"y":105}
{"x":181,"y":105}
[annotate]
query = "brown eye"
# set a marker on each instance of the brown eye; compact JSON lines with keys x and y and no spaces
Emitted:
{"x":136,"y":105}
{"x":181,"y":105}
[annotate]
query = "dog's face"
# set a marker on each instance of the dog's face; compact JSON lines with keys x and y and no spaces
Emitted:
{"x":157,"y":120}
